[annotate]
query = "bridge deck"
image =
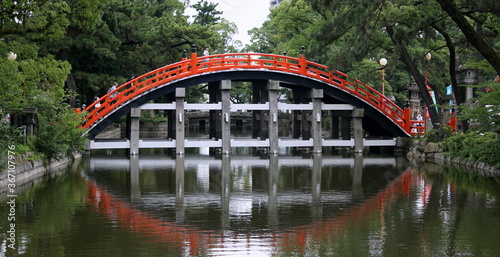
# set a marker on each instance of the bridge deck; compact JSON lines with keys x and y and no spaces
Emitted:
{"x":234,"y":142}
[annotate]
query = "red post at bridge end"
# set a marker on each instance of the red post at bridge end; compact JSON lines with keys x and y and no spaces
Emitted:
{"x":194,"y":60}
{"x":407,"y":119}
{"x":303,"y":65}
{"x":303,"y":62}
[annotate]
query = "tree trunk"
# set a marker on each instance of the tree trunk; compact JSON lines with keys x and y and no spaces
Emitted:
{"x":436,"y":118}
{"x":70,"y":80}
{"x":453,"y":75}
{"x":472,"y":36}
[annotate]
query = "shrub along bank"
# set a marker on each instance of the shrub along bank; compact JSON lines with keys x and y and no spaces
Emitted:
{"x":481,"y":147}
{"x":480,"y":151}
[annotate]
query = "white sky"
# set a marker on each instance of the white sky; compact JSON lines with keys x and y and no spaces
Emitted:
{"x":246,"y":14}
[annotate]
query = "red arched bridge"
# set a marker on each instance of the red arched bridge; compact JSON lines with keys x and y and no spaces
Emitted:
{"x":381,"y":116}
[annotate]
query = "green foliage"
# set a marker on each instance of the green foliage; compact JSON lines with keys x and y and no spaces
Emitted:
{"x":432,"y":135}
{"x":9,"y":136}
{"x":490,"y":153}
{"x":288,"y":29}
{"x":351,"y":36}
{"x":87,"y":45}
{"x":482,"y":147}
{"x":484,"y":113}
{"x":148,"y":118}
{"x":59,"y":129}
{"x":28,"y":76}
{"x":112,"y":39}
{"x":47,"y":19}
{"x":437,"y":135}
{"x":9,"y":81}
{"x":194,"y":94}
{"x":241,"y":92}
{"x":207,"y":13}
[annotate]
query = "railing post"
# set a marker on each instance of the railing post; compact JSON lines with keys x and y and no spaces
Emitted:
{"x":303,"y":62}
{"x":406,"y":120}
{"x":184,"y":55}
{"x":194,"y":60}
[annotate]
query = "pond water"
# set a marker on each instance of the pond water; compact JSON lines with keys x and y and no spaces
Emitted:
{"x":248,"y":205}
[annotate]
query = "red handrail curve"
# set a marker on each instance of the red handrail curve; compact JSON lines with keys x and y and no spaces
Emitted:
{"x":253,"y":61}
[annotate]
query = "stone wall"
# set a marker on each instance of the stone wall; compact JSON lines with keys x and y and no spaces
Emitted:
{"x":153,"y":130}
{"x":432,"y":152}
{"x":28,"y":172}
{"x":113,"y":131}
{"x":150,"y":130}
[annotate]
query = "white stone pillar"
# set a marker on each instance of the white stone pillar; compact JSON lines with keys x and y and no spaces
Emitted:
{"x":180,"y":94}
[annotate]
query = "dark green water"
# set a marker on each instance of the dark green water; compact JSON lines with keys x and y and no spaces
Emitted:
{"x":245,"y":205}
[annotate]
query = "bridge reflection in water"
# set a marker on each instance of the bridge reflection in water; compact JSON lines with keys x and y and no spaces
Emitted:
{"x":222,"y":183}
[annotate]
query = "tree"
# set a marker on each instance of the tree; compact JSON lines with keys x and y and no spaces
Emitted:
{"x":207,"y":13}
{"x":59,"y":130}
{"x":76,"y":49}
{"x":107,"y":41}
{"x":289,"y":27}
{"x":241,"y":92}
{"x":475,"y":37}
{"x":36,"y":78}
{"x":350,"y":35}
{"x":484,"y":114}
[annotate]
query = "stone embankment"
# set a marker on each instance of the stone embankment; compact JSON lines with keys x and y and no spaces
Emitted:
{"x":432,"y":152}
{"x":28,"y":172}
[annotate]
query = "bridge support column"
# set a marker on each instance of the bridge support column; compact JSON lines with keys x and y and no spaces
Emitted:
{"x":260,"y":117}
{"x":171,"y":117}
{"x":180,"y":94}
{"x":256,"y":91}
{"x":226,"y":113}
{"x":317,"y":206}
{"x":180,"y":206}
{"x":345,"y":127}
{"x":297,"y":114}
{"x":307,"y":119}
{"x":273,"y":116}
{"x":272,"y":216}
{"x":135,"y":188}
{"x":317,"y":97}
{"x":334,"y":125}
{"x":357,"y":121}
{"x":357,"y":177}
{"x":225,"y":180}
{"x":214,"y":115}
{"x":133,"y":130}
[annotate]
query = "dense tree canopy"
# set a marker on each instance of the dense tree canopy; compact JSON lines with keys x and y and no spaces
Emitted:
{"x":353,"y":35}
{"x":69,"y":51}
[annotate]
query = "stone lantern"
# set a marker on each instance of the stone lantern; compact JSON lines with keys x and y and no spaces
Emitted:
{"x":414,"y":100}
{"x":30,"y":113}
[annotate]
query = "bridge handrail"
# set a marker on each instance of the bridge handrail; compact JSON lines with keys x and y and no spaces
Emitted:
{"x":255,"y":61}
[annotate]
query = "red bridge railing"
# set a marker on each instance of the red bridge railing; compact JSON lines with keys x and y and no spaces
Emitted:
{"x":247,"y":61}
